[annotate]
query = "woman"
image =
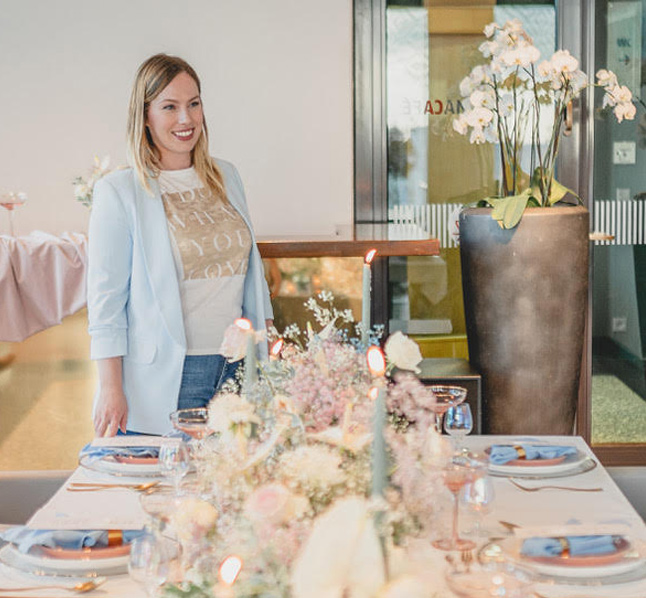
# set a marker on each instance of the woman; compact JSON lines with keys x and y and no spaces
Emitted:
{"x":172,"y":260}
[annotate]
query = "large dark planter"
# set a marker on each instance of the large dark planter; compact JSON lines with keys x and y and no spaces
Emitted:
{"x":525,"y":293}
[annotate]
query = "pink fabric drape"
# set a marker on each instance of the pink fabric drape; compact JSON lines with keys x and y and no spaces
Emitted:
{"x":42,"y":280}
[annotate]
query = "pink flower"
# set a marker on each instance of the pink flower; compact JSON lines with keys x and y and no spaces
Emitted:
{"x":274,"y":504}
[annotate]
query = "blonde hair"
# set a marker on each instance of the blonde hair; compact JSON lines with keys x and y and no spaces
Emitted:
{"x":152,"y":77}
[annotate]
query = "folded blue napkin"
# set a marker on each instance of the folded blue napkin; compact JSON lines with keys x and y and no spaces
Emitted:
{"x":94,"y":453}
{"x":24,"y":538}
{"x":578,"y":546}
{"x":503,"y":453}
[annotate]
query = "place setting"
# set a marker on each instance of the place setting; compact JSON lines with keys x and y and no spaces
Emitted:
{"x":561,"y":558}
{"x":536,"y":459}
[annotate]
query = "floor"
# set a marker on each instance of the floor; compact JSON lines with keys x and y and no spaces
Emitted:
{"x":46,"y":398}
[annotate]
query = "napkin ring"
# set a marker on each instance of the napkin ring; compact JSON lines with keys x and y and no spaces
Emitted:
{"x":521,"y":451}
{"x":565,"y":548}
{"x":115,"y":537}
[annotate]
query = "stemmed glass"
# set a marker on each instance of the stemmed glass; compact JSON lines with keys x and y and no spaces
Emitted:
{"x":458,"y":422}
{"x":174,"y":460}
{"x":445,"y":396}
{"x":456,"y":474}
{"x":11,"y":201}
{"x":479,"y":496}
{"x":151,"y":561}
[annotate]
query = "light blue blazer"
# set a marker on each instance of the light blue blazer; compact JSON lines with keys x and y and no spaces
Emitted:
{"x":134,"y":307}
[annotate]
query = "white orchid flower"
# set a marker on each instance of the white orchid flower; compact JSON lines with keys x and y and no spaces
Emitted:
{"x":488,"y":48}
{"x":477,"y":136}
{"x":490,"y":29}
{"x":606,"y":78}
{"x":479,"y":117}
{"x":564,"y":62}
{"x":625,"y":110}
{"x":460,"y":125}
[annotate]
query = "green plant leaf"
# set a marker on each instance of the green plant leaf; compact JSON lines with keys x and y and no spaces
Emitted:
{"x":508,"y":211}
{"x":559,"y":192}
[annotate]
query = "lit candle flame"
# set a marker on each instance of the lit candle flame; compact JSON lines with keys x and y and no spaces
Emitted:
{"x":277,"y":347}
{"x":230,"y":569}
{"x":370,"y":256}
{"x":372,"y":393}
{"x":243,"y":323}
{"x":376,"y":361}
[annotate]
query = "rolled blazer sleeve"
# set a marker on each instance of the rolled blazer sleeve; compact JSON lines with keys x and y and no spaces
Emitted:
{"x":109,"y":269}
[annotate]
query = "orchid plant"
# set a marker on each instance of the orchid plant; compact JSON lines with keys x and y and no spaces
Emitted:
{"x":504,"y":100}
{"x":83,"y":188}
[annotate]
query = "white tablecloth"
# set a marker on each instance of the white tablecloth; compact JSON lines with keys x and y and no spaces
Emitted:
{"x":542,"y":509}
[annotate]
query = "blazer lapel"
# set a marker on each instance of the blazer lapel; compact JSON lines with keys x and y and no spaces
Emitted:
{"x":158,"y":255}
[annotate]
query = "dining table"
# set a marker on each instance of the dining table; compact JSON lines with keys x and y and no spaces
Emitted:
{"x":586,"y":498}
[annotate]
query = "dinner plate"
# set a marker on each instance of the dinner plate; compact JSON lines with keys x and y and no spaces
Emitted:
{"x":109,"y":464}
{"x":536,"y":467}
{"x":86,"y":554}
{"x":37,"y":562}
{"x":627,"y":564}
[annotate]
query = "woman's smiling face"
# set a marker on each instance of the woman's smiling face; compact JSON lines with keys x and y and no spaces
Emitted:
{"x":174,"y":121}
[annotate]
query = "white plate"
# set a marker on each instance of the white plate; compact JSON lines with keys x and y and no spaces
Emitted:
{"x":109,"y":465}
{"x":631,"y":561}
{"x":570,"y":462}
{"x":33,"y":562}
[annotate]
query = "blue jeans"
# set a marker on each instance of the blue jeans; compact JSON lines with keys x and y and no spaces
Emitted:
{"x":202,"y":377}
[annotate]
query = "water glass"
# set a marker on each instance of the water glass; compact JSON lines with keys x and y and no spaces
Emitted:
{"x":174,"y":460}
{"x":151,"y":562}
{"x":458,"y":422}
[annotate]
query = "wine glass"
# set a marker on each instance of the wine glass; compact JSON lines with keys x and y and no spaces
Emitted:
{"x":445,"y":396}
{"x":458,"y":422}
{"x":11,"y":201}
{"x":174,"y":460}
{"x":193,"y":422}
{"x":150,"y":562}
{"x":456,"y":474}
{"x":478,"y":496}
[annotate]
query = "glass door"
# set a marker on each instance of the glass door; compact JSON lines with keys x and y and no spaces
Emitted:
{"x":618,"y":386}
{"x":432,"y":171}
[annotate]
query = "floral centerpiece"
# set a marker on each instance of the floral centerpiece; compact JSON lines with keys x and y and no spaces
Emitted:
{"x":83,"y":187}
{"x":505,"y":100}
{"x":290,"y":465}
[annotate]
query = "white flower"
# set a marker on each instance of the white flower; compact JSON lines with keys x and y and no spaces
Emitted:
{"x":545,"y":69}
{"x":522,"y":56}
{"x":488,"y":48}
{"x":563,"y":62}
{"x":193,"y":518}
{"x":352,"y":440}
{"x":606,"y":78}
{"x":478,"y":117}
{"x":466,"y":86}
{"x":342,"y":556}
{"x":274,"y":504}
{"x":490,"y":29}
{"x":622,"y":94}
{"x":460,"y":124}
{"x":477,"y":136}
{"x":312,"y":466}
{"x":228,"y":411}
{"x":626,"y":111}
{"x":482,"y":99}
{"x":403,"y":352}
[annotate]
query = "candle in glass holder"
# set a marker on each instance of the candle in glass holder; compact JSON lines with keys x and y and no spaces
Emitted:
{"x":377,"y":366}
{"x":365,"y":299}
{"x":250,"y":367}
{"x":227,"y":574}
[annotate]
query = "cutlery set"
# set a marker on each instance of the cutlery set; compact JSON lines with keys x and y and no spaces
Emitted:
{"x":93,"y":487}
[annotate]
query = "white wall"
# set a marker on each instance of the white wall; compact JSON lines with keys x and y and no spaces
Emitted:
{"x":277,"y":89}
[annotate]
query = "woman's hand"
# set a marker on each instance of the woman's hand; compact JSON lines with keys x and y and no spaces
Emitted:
{"x":111,"y":410}
{"x":110,"y":413}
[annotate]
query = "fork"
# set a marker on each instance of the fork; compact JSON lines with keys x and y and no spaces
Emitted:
{"x":537,"y":488}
